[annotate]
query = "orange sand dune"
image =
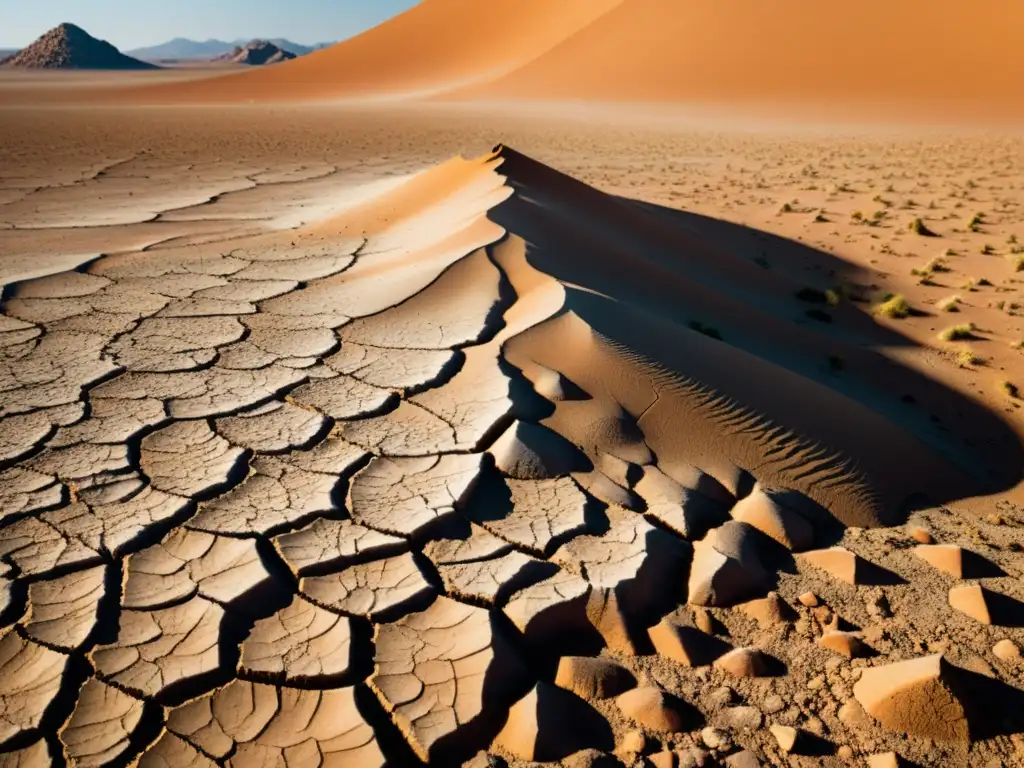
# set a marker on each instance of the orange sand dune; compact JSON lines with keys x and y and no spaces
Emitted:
{"x":939,"y":58}
{"x":435,"y":46}
{"x":872,"y":52}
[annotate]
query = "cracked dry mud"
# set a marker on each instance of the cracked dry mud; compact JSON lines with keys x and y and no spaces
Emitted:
{"x":433,"y":482}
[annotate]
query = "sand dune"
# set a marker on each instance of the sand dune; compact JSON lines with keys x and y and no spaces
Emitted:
{"x":890,"y":57}
{"x":868,"y":60}
{"x":433,"y":47}
{"x":488,"y":460}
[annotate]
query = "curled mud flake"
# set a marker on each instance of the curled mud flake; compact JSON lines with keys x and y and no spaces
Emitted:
{"x":342,"y":397}
{"x":166,"y":344}
{"x":101,"y":727}
{"x":407,"y":431}
{"x":273,"y":428}
{"x":23,"y":491}
{"x":405,"y":496}
{"x":30,"y":678}
{"x":156,"y":649}
{"x":301,"y":643}
{"x":191,"y":562}
{"x":63,"y":610}
{"x":171,"y":751}
{"x":262,"y":725}
{"x":188,"y":458}
{"x":390,"y":368}
{"x":121,"y":524}
{"x":544,"y":513}
{"x":370,"y":589}
{"x":327,"y":543}
{"x":475,"y":401}
{"x":111,"y":421}
{"x":439,"y":670}
{"x":78,"y":463}
{"x":21,"y":433}
{"x":639,"y":562}
{"x":441,"y":316}
{"x":274,"y":494}
{"x":36,"y":755}
{"x":37,"y":548}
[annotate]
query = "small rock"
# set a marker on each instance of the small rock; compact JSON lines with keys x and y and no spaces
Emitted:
{"x":768,"y":611}
{"x":845,"y":752}
{"x":914,"y":697}
{"x":593,"y":678}
{"x":947,"y":558}
{"x":808,"y":599}
{"x":884,"y":760}
{"x":694,"y":757}
{"x":1007,"y":650}
{"x":744,"y":662}
{"x":703,"y":620}
{"x":785,"y":735}
{"x":633,"y":743}
{"x":744,"y":759}
{"x":971,"y":599}
{"x":715,"y":738}
{"x":847,"y":644}
{"x":687,"y":645}
{"x":921,"y":535}
{"x":719,"y":697}
{"x":653,"y":709}
{"x":773,"y":704}
{"x":740,"y":718}
{"x":852,"y":715}
{"x":838,"y":562}
{"x":663,"y":759}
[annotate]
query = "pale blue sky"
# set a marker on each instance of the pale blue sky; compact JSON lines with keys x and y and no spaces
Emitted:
{"x":136,"y":23}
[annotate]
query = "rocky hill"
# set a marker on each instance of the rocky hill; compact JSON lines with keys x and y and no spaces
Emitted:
{"x":71,"y":47}
{"x":257,"y":53}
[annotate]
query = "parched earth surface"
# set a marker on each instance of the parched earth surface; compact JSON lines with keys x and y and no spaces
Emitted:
{"x":443,"y":480}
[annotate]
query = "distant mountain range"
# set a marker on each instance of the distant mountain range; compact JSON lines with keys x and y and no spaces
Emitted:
{"x":70,"y":47}
{"x":181,"y":48}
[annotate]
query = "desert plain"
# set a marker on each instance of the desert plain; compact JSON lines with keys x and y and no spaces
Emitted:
{"x":464,"y":395}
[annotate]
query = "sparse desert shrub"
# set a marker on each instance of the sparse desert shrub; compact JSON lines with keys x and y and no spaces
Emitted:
{"x":786,"y":208}
{"x":857,"y":216}
{"x":833,"y":297}
{"x":1010,"y":389}
{"x":976,"y":221}
{"x":987,"y":250}
{"x":1017,"y":263}
{"x":918,"y":227}
{"x":985,"y":281}
{"x":952,"y":304}
{"x":896,"y":307}
{"x":949,"y":252}
{"x":966,"y":358}
{"x":958,"y":332}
